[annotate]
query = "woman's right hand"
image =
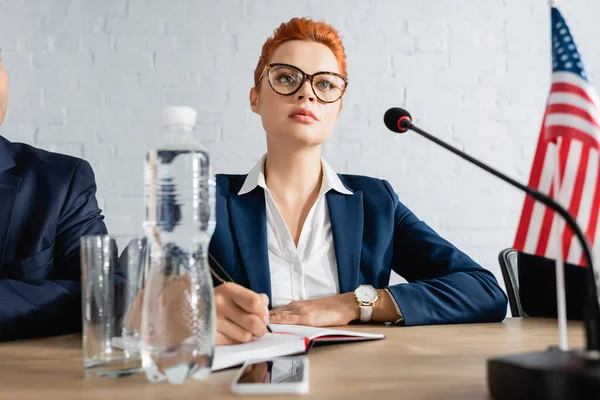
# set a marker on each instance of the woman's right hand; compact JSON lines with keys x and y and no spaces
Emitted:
{"x":241,"y":314}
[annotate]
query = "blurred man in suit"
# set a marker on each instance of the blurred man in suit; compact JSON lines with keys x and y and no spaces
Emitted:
{"x":47,"y":202}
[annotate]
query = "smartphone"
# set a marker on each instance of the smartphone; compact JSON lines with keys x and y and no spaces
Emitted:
{"x":282,"y":375}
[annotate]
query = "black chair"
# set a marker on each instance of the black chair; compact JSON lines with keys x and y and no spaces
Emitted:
{"x":510,"y":273}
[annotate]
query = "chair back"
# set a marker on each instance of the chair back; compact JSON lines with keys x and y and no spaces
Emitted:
{"x":510,"y":273}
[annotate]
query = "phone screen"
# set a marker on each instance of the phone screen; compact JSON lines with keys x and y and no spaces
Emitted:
{"x":277,"y":371}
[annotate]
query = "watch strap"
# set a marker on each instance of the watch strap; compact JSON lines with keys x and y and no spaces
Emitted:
{"x":366,"y":313}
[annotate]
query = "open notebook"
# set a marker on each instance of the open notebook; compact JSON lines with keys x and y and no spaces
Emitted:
{"x":285,"y":340}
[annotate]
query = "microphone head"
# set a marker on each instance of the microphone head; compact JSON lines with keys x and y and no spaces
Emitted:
{"x":397,"y":119}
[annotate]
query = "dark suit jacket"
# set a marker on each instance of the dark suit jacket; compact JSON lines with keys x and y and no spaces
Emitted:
{"x":47,"y":202}
{"x":373,"y":233}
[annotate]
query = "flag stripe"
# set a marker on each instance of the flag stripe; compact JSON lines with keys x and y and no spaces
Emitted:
{"x":591,"y":232}
{"x":595,"y":248}
{"x":574,"y":101}
{"x":574,"y":79}
{"x":567,"y":109}
{"x":563,"y":155}
{"x":572,"y":121}
{"x":570,"y":88}
{"x":534,"y":180}
{"x":563,"y":151}
{"x":537,"y":215}
{"x":585,"y":208}
{"x":556,"y":131}
{"x":575,"y":200}
{"x":542,"y":243}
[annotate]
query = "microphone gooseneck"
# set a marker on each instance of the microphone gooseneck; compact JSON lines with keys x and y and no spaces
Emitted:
{"x":399,"y":120}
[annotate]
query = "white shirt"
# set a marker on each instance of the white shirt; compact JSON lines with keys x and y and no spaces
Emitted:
{"x":308,"y":271}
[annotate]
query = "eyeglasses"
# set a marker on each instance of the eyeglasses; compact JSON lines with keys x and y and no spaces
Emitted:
{"x":286,"y":80}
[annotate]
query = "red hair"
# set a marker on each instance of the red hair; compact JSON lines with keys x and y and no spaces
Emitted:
{"x":307,"y":30}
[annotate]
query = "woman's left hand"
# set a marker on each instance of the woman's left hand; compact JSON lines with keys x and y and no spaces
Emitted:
{"x":326,"y":311}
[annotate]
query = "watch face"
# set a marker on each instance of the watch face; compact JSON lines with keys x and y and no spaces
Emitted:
{"x":366,"y":293}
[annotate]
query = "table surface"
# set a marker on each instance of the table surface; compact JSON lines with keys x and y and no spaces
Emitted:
{"x":443,"y":361}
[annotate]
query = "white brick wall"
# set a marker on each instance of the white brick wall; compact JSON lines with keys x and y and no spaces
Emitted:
{"x":89,"y":77}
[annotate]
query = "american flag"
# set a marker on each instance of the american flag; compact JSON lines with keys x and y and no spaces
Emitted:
{"x":571,"y":124}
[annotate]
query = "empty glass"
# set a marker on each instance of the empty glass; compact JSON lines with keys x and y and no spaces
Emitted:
{"x":112,"y":276}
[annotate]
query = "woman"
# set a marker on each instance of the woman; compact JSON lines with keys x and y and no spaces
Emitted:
{"x":321,"y":246}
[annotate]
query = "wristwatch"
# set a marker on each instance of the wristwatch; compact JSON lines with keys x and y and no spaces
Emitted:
{"x":366,"y":296}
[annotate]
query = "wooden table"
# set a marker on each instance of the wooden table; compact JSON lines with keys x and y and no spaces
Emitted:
{"x":413,"y":362}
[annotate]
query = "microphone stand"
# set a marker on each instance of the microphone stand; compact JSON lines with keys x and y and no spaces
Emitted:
{"x":551,"y":374}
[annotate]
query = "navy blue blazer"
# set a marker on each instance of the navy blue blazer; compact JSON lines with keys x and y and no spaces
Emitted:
{"x":47,"y":202}
{"x":373,"y":234}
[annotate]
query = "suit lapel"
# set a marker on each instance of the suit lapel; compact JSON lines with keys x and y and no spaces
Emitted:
{"x":346,"y":216}
{"x":249,"y":222}
{"x":9,"y":186}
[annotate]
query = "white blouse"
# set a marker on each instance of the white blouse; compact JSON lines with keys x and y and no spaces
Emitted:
{"x":308,"y":271}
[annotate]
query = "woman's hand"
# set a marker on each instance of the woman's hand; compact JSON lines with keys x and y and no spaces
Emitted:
{"x":326,"y":311}
{"x":241,"y":314}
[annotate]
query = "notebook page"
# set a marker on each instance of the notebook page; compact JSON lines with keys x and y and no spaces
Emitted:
{"x":313,"y":333}
{"x":266,"y":347}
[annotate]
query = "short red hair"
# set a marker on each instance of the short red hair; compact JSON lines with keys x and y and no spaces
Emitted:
{"x":307,"y":30}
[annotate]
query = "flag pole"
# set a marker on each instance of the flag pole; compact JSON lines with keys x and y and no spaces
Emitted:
{"x":561,"y":303}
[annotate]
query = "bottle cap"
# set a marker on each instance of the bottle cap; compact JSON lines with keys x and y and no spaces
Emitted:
{"x":174,"y":115}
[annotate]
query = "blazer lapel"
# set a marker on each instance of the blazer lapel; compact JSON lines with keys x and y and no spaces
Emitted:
{"x":9,"y":186}
{"x":346,"y":216}
{"x":249,"y":223}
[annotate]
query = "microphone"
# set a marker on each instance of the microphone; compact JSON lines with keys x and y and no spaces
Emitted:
{"x":524,"y":374}
{"x":397,"y":120}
